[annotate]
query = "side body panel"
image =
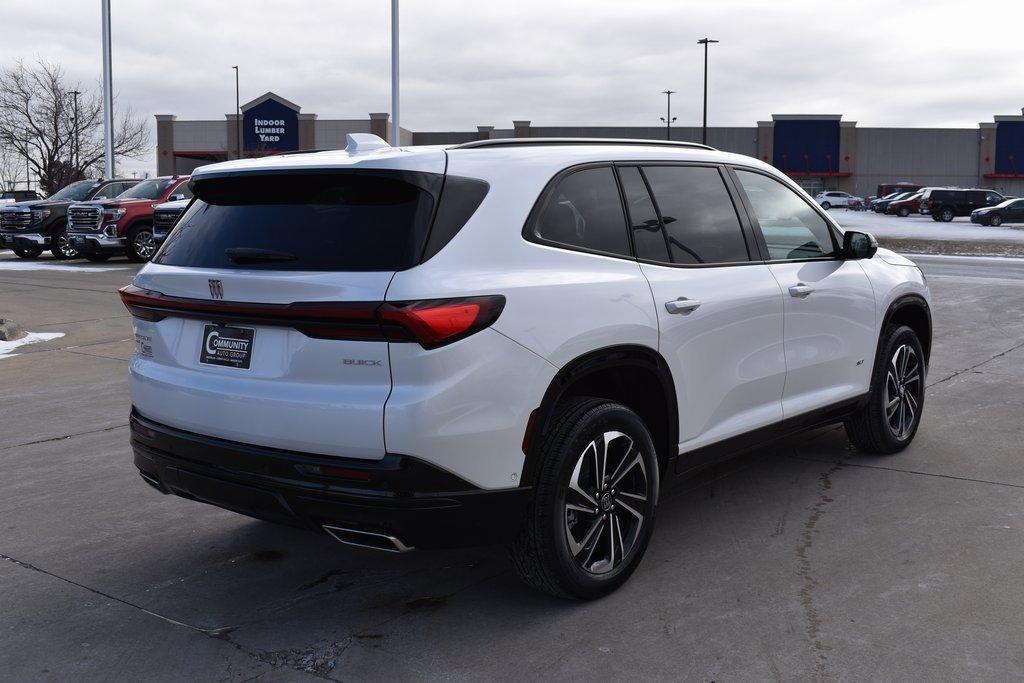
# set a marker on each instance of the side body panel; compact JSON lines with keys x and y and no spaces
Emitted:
{"x":726,"y":356}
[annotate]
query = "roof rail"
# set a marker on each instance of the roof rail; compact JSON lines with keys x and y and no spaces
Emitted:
{"x":511,"y":142}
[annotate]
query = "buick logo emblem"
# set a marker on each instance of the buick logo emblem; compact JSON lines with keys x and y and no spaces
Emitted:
{"x":216,"y":289}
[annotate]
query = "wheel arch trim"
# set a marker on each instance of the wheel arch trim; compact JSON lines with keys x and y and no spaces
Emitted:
{"x":902,"y":302}
{"x":611,"y":357}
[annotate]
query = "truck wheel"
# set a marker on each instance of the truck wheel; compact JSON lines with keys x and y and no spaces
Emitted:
{"x":141,"y":245}
{"x":903,"y":212}
{"x":97,"y":258}
{"x":60,"y":246}
{"x":27,"y":253}
{"x":888,"y":422}
{"x":594,"y":501}
{"x":946,"y":215}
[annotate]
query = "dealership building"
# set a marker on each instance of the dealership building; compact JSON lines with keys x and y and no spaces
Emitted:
{"x":819,"y":151}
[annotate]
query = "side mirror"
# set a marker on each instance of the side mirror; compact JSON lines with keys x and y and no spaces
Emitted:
{"x":858,"y":245}
{"x":176,"y":198}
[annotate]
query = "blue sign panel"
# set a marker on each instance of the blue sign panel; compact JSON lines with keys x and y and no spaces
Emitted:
{"x":806,"y":146}
{"x":1010,"y":147}
{"x":270,"y":127}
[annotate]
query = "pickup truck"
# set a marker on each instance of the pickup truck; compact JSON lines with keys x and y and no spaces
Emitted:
{"x":30,"y":227}
{"x":123,"y":225}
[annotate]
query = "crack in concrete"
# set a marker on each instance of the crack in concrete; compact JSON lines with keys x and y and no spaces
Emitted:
{"x":805,"y":571}
{"x":971,"y":480}
{"x":957,"y":373}
{"x":65,"y":436}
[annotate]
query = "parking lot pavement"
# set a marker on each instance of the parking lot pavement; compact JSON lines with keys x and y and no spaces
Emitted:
{"x":800,"y":560}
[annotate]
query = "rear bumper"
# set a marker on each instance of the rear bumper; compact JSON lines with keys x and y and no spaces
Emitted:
{"x":19,"y":240}
{"x":399,"y":496}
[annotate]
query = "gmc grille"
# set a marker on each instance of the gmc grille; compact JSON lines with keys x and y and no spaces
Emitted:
{"x":164,"y":219}
{"x":84,"y":217}
{"x":15,"y":219}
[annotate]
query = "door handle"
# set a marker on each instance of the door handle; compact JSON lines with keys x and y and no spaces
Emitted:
{"x":682,"y":305}
{"x":800,"y":290}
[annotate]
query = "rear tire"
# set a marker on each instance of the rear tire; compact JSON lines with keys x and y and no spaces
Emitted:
{"x":60,"y":247}
{"x":996,"y":220}
{"x":97,"y":258}
{"x":903,"y":212}
{"x":587,"y":530}
{"x":946,"y":215}
{"x":889,"y":420}
{"x":27,"y":253}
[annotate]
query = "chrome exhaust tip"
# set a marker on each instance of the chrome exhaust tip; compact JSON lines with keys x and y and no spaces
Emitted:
{"x":367,"y":539}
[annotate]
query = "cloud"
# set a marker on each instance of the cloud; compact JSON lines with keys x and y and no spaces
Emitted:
{"x":578,"y":62}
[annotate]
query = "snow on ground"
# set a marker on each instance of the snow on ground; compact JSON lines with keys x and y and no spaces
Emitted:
{"x":47,"y":264}
{"x":924,"y":228}
{"x":31,"y":338}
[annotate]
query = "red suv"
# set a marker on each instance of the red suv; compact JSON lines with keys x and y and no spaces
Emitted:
{"x":123,"y":225}
{"x":905,"y":207}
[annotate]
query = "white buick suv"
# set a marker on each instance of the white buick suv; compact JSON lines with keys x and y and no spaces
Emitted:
{"x":517,"y":341}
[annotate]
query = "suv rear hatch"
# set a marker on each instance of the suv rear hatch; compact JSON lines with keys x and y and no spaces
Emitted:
{"x":257,"y":321}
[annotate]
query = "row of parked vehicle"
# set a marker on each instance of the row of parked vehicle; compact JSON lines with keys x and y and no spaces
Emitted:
{"x":96,"y":219}
{"x":985,"y":207}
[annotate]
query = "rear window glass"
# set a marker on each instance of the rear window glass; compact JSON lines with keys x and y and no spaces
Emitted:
{"x":585,"y":211}
{"x":322,"y":222}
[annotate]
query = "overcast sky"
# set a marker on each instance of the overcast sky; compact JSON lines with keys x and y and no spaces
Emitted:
{"x":555,"y":62}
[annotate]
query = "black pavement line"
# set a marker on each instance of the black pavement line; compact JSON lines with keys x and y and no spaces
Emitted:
{"x":65,"y":436}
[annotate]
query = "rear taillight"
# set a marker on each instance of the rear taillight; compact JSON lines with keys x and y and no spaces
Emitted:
{"x":431,"y":323}
{"x":438,"y":322}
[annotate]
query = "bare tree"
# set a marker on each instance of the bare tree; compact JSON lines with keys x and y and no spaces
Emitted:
{"x":39,"y":121}
{"x":11,"y":169}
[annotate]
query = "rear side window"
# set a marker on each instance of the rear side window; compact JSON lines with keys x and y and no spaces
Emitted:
{"x":791,"y":228}
{"x":319,"y":222}
{"x":698,"y":215}
{"x":585,"y":211}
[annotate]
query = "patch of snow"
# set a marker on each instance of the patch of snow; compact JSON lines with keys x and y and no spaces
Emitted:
{"x":51,"y":265}
{"x":31,"y":338}
{"x":921,"y":227}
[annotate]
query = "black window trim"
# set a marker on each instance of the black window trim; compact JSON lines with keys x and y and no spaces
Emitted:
{"x":752,"y":256}
{"x":834,"y":232}
{"x":529,"y":231}
{"x":530,"y":228}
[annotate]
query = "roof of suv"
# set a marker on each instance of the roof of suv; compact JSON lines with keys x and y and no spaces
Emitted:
{"x":534,"y":152}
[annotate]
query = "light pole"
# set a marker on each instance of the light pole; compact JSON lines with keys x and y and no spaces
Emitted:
{"x":77,"y":144}
{"x":108,"y":95}
{"x":395,"y":141}
{"x":238,"y":115}
{"x":704,"y":129}
{"x":668,"y":118}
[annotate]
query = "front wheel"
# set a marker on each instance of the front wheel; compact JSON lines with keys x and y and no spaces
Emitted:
{"x":60,"y":245}
{"x":903,"y":212}
{"x":141,"y":244}
{"x":996,"y":220}
{"x":889,"y":420}
{"x":826,"y":205}
{"x":946,"y":215}
{"x":593,"y":508}
{"x":27,"y":253}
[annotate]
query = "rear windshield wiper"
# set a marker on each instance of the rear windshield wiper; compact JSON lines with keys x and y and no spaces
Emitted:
{"x":252,"y":255}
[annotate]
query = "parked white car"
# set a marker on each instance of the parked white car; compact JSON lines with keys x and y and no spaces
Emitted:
{"x":520,"y":341}
{"x":833,"y":198}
